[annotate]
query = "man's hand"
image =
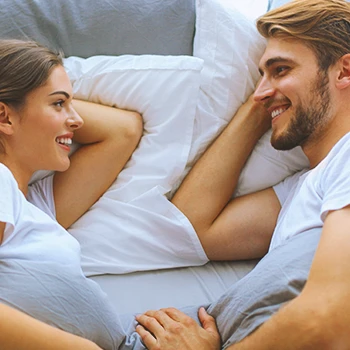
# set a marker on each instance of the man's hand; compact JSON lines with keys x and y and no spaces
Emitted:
{"x":171,"y":329}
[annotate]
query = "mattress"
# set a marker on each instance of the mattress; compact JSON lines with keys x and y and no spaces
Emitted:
{"x":140,"y":291}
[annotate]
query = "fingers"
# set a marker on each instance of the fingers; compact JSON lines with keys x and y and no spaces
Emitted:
{"x":207,"y":321}
{"x":171,"y":329}
{"x":175,"y":314}
{"x":150,"y":328}
{"x":155,"y":326}
{"x":150,"y":322}
{"x":148,"y":339}
{"x":159,"y":315}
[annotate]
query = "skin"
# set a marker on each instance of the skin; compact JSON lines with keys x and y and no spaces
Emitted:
{"x":308,"y":120}
{"x":284,"y":86}
{"x":31,"y":134}
{"x":318,"y":318}
{"x":108,"y":137}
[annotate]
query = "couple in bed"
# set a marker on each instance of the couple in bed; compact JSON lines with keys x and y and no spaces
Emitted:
{"x":296,"y":297}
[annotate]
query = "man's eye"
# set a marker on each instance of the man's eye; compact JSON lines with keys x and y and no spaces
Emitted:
{"x":281,"y":69}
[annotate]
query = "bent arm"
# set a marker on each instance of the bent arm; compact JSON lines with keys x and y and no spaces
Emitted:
{"x":19,"y":331}
{"x":204,"y":194}
{"x":319,"y":317}
{"x":109,"y":137}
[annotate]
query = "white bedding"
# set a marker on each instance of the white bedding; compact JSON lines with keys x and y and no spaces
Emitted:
{"x":252,"y":9}
{"x":140,"y":291}
{"x":134,"y":227}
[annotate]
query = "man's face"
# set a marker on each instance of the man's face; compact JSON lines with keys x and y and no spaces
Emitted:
{"x":295,"y":92}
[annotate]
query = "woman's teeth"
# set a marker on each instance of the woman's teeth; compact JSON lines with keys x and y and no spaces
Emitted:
{"x":63,"y":140}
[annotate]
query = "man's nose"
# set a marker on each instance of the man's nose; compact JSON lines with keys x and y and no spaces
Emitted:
{"x":264,"y":90}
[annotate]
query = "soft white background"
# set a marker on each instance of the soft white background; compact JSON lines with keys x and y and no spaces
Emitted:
{"x":251,"y":8}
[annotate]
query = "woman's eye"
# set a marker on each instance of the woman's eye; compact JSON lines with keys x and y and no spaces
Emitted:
{"x":59,"y":103}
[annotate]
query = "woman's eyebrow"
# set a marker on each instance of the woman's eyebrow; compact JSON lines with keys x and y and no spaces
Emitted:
{"x":60,"y":93}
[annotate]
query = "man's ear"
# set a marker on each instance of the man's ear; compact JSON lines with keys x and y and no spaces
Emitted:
{"x":5,"y":120}
{"x":343,"y":77}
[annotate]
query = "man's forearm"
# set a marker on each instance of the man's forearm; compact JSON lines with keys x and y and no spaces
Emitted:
{"x":211,"y":182}
{"x":298,"y":325}
{"x":20,"y":331}
{"x":319,"y":317}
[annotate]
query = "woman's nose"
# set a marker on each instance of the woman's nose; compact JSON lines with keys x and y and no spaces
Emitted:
{"x":74,"y":121}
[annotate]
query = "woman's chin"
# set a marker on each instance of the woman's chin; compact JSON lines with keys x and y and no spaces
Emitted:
{"x":63,"y":166}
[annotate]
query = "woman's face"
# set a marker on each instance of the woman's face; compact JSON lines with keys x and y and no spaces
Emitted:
{"x":45,"y":125}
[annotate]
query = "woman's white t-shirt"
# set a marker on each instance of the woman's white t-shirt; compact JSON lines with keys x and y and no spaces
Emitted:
{"x":40,"y":272}
{"x":27,"y":226}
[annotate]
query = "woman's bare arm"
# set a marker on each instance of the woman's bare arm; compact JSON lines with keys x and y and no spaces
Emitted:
{"x":109,"y":137}
{"x":19,"y":331}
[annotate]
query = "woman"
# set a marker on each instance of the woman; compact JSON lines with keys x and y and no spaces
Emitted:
{"x":44,"y":297}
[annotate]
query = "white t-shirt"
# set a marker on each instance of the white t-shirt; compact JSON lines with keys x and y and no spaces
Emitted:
{"x":308,"y":196}
{"x":40,"y":272}
{"x":27,"y":226}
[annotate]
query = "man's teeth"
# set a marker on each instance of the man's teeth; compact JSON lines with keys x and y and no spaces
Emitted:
{"x":63,"y":140}
{"x":277,"y":112}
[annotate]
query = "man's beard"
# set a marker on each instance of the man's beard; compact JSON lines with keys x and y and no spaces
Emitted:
{"x":307,"y":120}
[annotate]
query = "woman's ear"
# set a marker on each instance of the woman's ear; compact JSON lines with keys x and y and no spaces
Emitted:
{"x":343,"y":77}
{"x":5,"y":122}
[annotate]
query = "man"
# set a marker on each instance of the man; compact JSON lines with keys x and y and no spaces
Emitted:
{"x":305,"y":89}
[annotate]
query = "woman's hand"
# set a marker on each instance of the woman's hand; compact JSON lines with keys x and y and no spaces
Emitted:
{"x":171,"y":329}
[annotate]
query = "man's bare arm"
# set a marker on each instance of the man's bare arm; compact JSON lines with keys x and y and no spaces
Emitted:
{"x":319,"y":318}
{"x":241,"y":229}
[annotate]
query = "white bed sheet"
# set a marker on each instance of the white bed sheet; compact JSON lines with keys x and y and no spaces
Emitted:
{"x":140,"y":291}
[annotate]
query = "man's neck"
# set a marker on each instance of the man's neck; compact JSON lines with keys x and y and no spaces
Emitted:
{"x":321,"y":143}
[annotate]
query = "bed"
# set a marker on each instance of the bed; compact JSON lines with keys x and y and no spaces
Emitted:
{"x":186,"y":66}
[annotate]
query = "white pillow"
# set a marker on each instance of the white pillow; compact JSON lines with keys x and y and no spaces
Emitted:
{"x":231,"y":47}
{"x":250,"y":8}
{"x":164,"y":90}
{"x":133,"y":226}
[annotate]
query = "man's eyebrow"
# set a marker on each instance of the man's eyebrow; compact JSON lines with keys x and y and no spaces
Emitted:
{"x":60,"y":93}
{"x":274,"y":60}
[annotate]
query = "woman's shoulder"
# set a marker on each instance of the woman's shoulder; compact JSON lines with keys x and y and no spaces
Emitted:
{"x":5,"y":171}
{"x":7,"y":180}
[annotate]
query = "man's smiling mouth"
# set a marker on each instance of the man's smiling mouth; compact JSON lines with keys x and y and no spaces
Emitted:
{"x":275,"y":113}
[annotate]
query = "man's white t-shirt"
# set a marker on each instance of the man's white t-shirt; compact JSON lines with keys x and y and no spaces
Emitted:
{"x":308,"y":196}
{"x":40,"y":272}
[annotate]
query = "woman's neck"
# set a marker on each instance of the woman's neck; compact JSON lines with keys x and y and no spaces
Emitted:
{"x":22,"y":177}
